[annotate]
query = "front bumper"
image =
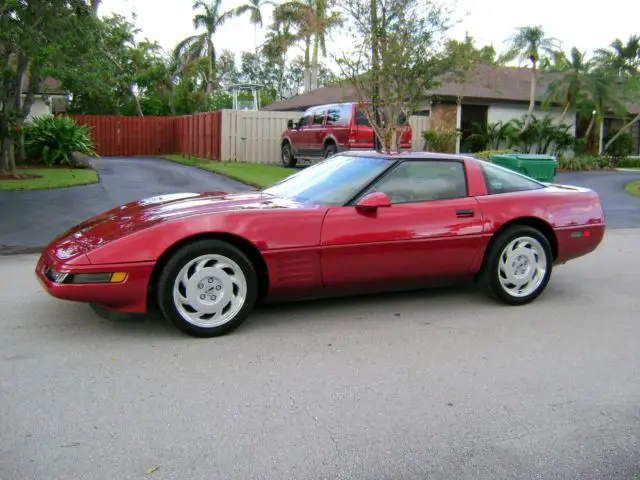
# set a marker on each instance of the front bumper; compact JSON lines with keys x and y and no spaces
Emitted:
{"x":128,"y":294}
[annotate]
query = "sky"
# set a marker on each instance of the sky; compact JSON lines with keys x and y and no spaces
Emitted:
{"x":488,"y":21}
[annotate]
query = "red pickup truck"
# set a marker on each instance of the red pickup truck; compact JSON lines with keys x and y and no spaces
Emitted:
{"x":328,"y":129}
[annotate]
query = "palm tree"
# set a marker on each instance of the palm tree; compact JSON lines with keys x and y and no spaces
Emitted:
{"x":530,"y":44}
{"x":279,"y":40}
{"x":313,"y":21}
{"x":575,"y":80}
{"x":602,"y":95}
{"x":193,"y":48}
{"x":623,"y":58}
{"x":254,"y":8}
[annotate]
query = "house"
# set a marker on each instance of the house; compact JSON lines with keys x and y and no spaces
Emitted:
{"x":50,"y":100}
{"x":488,"y":94}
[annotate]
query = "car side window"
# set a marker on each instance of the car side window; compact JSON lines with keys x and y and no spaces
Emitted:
{"x":304,"y":121}
{"x":423,"y":181}
{"x":361,"y":118}
{"x":339,"y":115}
{"x":502,"y":180}
{"x":318,"y":116}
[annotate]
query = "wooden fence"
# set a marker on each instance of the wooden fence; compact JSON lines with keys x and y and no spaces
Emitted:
{"x":118,"y":136}
{"x":227,"y":135}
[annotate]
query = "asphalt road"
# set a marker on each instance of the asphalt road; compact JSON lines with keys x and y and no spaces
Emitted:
{"x":425,"y":385}
{"x":621,"y":209}
{"x":32,"y":218}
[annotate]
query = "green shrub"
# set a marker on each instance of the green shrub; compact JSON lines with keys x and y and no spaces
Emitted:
{"x":487,"y":153}
{"x":52,"y":140}
{"x":622,"y":146}
{"x":628,"y":162}
{"x":442,"y":142}
{"x":584,"y":162}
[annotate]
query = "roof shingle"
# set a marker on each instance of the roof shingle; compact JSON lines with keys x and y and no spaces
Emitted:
{"x":483,"y":82}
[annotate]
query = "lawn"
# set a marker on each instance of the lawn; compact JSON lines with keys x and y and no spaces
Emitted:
{"x":255,"y":174}
{"x":45,"y":178}
{"x":633,"y":188}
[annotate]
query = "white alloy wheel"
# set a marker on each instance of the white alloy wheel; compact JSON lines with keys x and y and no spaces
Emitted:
{"x":522,"y":266}
{"x":209,"y":290}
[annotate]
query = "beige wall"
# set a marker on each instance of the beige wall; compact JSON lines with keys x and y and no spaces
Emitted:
{"x":39,"y":108}
{"x":254,"y":136}
{"x":505,"y":112}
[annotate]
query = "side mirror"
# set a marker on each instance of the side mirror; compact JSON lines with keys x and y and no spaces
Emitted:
{"x":289,"y":124}
{"x":374,"y":201}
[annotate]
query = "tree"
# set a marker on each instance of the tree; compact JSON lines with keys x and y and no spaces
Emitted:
{"x":194,"y":48}
{"x":37,"y":38}
{"x":622,"y":59}
{"x":279,"y":40}
{"x":466,"y":50}
{"x":313,"y":21}
{"x":530,"y":44}
{"x":254,"y":8}
{"x":405,"y":62}
{"x":575,"y":80}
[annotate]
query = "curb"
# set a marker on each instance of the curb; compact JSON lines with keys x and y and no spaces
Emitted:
{"x":6,"y":250}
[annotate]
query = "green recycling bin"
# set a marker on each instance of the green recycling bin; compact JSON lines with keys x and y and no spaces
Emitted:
{"x":540,"y":167}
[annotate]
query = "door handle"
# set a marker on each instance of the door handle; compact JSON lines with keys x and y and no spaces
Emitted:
{"x":464,"y":213}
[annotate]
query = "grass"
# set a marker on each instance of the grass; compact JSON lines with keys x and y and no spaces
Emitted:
{"x":633,"y":188}
{"x":255,"y":174}
{"x":49,"y":178}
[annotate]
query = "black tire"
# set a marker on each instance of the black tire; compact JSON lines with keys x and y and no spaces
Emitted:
{"x":288,"y":160}
{"x":330,"y":149}
{"x":490,"y":276}
{"x":180,"y":259}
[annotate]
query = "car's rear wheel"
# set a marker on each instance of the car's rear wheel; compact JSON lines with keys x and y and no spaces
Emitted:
{"x":517,"y":266}
{"x":288,"y":160}
{"x":207,"y":288}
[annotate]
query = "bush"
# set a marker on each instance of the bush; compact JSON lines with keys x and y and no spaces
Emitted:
{"x":622,"y":146}
{"x":487,"y":153}
{"x":585,"y":162}
{"x":442,"y":142}
{"x":52,"y":140}
{"x":628,"y":162}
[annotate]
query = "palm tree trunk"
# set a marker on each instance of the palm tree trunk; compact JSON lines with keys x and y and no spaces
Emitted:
{"x":136,"y":100}
{"x":565,"y":112}
{"x":307,"y":64}
{"x":621,"y":131}
{"x":314,"y":63}
{"x":590,"y":127}
{"x":281,"y":79}
{"x":209,"y":87}
{"x":532,"y":98}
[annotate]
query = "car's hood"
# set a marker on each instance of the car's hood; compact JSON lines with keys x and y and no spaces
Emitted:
{"x":145,"y":213}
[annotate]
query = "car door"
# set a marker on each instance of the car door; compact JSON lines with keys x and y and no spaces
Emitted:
{"x":317,"y":131}
{"x":431,"y":230}
{"x":300,"y":136}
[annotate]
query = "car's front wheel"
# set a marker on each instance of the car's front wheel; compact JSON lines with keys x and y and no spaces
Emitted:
{"x":517,"y":266}
{"x":288,"y":160}
{"x":207,"y":288}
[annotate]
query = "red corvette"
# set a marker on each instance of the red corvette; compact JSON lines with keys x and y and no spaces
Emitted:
{"x":357,"y":222}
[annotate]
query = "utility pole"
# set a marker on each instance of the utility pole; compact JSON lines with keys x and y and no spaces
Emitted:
{"x":374,"y":66}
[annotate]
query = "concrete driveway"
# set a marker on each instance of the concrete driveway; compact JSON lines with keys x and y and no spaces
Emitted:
{"x":427,"y":385}
{"x":31,"y":219}
{"x":621,"y":209}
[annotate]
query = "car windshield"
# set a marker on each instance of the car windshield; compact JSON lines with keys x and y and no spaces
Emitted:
{"x":331,"y":182}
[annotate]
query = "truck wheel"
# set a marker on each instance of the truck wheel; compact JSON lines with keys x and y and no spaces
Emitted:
{"x":288,"y":160}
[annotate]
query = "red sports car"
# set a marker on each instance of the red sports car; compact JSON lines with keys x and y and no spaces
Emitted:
{"x":357,"y":222}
